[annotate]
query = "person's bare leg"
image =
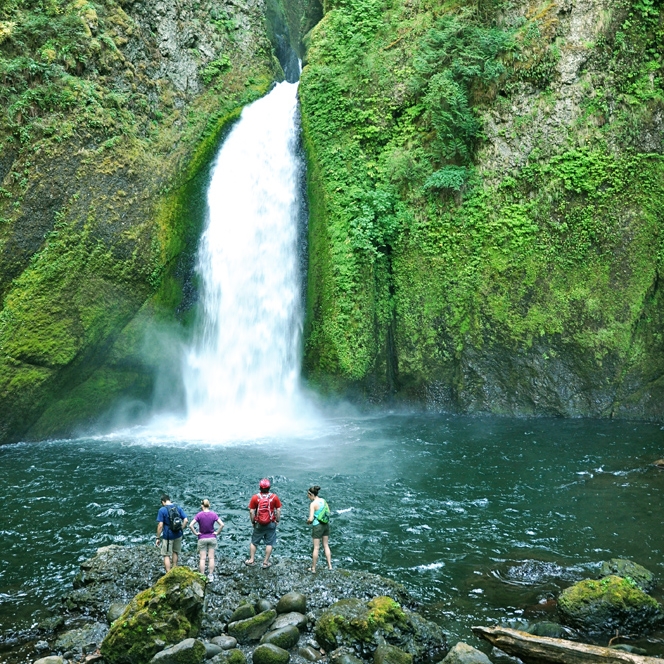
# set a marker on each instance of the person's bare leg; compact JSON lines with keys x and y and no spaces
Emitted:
{"x":201,"y":562}
{"x":167,"y":563}
{"x":175,"y":559}
{"x":211,"y":561}
{"x":314,"y":555}
{"x":252,"y":554}
{"x":268,"y":551}
{"x":328,"y":553}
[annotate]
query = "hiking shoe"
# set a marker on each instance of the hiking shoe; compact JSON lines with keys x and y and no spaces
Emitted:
{"x":210,"y":578}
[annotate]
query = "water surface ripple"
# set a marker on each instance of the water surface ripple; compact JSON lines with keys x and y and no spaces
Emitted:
{"x":481,"y":518}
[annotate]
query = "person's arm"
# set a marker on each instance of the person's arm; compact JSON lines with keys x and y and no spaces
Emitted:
{"x":160,"y":528}
{"x":311,"y":512}
{"x":191,"y":526}
{"x":278,"y":514}
{"x":185,"y":521}
{"x":221,"y":527}
{"x":252,"y":511}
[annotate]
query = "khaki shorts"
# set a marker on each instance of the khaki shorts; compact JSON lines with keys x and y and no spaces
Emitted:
{"x":320,"y":530}
{"x":207,"y":544}
{"x":171,"y":546}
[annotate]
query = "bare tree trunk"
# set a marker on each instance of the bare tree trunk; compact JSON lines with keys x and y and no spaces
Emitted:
{"x":541,"y":649}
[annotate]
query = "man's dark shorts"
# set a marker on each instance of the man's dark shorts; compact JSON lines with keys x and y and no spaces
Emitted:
{"x":267,"y":532}
{"x":320,"y":530}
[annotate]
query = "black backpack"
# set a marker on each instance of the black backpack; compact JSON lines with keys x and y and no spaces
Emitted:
{"x":175,"y":521}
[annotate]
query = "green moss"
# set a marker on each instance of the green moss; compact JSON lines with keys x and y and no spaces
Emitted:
{"x":170,"y":611}
{"x":612,"y":602}
{"x":354,"y":621}
{"x":422,"y":256}
{"x":112,"y":184}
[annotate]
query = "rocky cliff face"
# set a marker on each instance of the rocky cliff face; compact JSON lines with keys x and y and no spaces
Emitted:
{"x":113,"y":111}
{"x":486,"y":187}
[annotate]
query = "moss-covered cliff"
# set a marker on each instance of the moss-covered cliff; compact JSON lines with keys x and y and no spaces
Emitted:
{"x":486,"y":182}
{"x":111,"y":113}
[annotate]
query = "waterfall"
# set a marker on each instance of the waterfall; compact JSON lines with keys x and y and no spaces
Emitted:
{"x":242,"y":369}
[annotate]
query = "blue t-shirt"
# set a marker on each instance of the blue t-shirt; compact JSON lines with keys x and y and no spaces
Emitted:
{"x":162,"y":517}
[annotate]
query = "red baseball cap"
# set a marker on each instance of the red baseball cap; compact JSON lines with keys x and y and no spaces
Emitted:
{"x":264,"y":483}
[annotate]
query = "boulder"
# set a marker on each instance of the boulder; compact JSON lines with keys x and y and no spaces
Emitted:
{"x":610,"y":604}
{"x":292,"y":601}
{"x":189,"y":651}
{"x":242,"y":612}
{"x":628,"y":569}
{"x":115,"y":610}
{"x":163,"y":615}
{"x":75,"y":640}
{"x":462,"y":653}
{"x":251,"y":629}
{"x":41,"y":645}
{"x":224,"y":642}
{"x":386,"y":654}
{"x":293,"y":618}
{"x":548,"y":628}
{"x":499,"y":656}
{"x":234,"y":656}
{"x":285,"y":637}
{"x":53,"y":659}
{"x":262,"y":605}
{"x":268,"y":653}
{"x":344,"y":655}
{"x":309,"y":653}
{"x":211,"y":649}
{"x":362,"y":626}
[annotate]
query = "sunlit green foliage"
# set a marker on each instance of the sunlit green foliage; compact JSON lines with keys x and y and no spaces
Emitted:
{"x":414,"y":238}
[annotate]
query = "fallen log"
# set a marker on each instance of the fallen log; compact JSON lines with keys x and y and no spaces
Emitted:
{"x":542,"y":649}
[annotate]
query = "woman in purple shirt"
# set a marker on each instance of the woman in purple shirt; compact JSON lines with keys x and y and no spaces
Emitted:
{"x":207,"y":536}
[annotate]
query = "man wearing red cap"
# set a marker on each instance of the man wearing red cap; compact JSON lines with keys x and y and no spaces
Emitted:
{"x":264,"y":512}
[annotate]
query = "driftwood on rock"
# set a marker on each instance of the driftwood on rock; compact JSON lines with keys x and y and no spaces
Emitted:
{"x":540,"y":649}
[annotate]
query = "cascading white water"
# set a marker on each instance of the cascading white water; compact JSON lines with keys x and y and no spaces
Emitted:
{"x":242,"y":370}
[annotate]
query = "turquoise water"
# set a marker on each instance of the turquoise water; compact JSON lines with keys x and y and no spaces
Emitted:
{"x":481,"y":518}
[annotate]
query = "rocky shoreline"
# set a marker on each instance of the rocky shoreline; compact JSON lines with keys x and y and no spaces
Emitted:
{"x":123,"y":609}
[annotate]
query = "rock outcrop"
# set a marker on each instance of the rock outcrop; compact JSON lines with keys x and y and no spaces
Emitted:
{"x":167,"y":614}
{"x":484,"y":231}
{"x":610,"y":604}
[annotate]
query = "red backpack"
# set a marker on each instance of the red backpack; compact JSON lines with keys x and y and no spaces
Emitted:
{"x":264,"y":511}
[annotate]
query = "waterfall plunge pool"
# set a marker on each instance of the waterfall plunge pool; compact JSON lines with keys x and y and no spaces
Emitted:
{"x":482,"y":519}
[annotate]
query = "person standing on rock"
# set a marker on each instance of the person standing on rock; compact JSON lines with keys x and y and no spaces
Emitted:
{"x":171,"y":522}
{"x":207,"y":536}
{"x":265,"y":513}
{"x":319,"y":518}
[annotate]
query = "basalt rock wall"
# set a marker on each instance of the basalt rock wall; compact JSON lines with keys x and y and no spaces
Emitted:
{"x":486,"y":185}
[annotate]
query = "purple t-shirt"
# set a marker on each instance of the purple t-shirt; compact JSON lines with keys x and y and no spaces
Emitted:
{"x":206,"y":524}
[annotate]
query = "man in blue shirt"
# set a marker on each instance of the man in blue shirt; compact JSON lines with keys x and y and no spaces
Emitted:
{"x":169,"y":536}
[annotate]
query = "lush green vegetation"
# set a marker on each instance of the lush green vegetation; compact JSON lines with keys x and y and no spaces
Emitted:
{"x":427,"y":241}
{"x":103,"y":148}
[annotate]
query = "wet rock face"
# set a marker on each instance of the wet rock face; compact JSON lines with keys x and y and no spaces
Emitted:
{"x":268,"y":653}
{"x":600,"y":607}
{"x":462,"y":653}
{"x":363,"y":626}
{"x":628,"y":569}
{"x":292,"y":602}
{"x":189,"y":651}
{"x":252,"y":629}
{"x":286,"y":637}
{"x":163,"y":615}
